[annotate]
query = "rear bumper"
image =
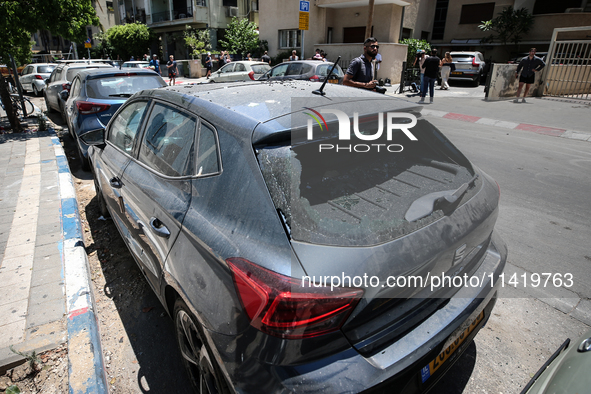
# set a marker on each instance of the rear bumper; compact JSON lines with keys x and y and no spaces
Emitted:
{"x":398,"y":366}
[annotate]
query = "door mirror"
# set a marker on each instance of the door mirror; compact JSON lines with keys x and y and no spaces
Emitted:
{"x":94,"y":138}
{"x":64,"y":94}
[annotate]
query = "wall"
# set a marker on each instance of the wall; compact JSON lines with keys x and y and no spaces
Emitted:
{"x":503,"y":84}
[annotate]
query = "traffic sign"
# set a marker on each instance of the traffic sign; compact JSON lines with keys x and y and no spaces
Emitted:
{"x":87,"y":45}
{"x":304,"y":20}
{"x":304,"y":6}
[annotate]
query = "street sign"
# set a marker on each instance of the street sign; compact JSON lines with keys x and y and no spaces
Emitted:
{"x":87,"y":45}
{"x":304,"y":20}
{"x":304,"y":6}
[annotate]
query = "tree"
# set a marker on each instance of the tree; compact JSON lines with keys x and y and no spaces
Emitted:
{"x":197,"y":40}
{"x":19,"y":19}
{"x":241,"y":37}
{"x":132,"y":39}
{"x":509,"y":26}
{"x":413,"y":46}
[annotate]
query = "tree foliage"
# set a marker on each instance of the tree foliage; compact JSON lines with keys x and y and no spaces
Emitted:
{"x":509,"y":26}
{"x":197,"y":40}
{"x":132,"y":39}
{"x":241,"y":37}
{"x":19,"y":19}
{"x":413,"y":46}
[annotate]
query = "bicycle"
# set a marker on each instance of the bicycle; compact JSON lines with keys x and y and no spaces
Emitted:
{"x":17,"y":107}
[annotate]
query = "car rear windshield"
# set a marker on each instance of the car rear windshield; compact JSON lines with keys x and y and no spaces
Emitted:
{"x":323,"y":70}
{"x":120,"y":86}
{"x":45,"y":69}
{"x":463,"y":57}
{"x":361,"y":199}
{"x":72,"y":72}
{"x":260,"y":68}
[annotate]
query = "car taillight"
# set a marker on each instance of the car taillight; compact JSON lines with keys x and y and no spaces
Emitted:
{"x":285,"y":307}
{"x":37,"y":76}
{"x":251,"y":75}
{"x":315,"y":78}
{"x":474,"y":64}
{"x":86,"y":107}
{"x":66,"y":86}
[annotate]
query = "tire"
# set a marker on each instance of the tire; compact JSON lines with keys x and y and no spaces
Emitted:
{"x":204,"y":374}
{"x":84,"y":162}
{"x":63,"y":114}
{"x":101,"y":200}
{"x":477,"y":81}
{"x":49,"y":109}
{"x":36,"y":92}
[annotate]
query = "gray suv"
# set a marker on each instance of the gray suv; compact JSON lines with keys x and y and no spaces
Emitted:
{"x":469,"y":67}
{"x":296,"y":249}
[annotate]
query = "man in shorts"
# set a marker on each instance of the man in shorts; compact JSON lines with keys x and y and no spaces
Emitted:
{"x":528,"y":66}
{"x":173,"y":71}
{"x":208,"y":64}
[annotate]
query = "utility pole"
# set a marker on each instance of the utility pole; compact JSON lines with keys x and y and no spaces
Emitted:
{"x":369,"y":19}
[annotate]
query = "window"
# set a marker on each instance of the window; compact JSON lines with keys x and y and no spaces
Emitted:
{"x":227,"y":68}
{"x":207,"y":156}
{"x":125,"y":126}
{"x":425,"y":35}
{"x":230,"y":3}
{"x":279,"y":71}
{"x":555,"y":7}
{"x":440,"y":18}
{"x":290,"y":38}
{"x":406,"y":33}
{"x":110,"y":7}
{"x":168,"y":142}
{"x":239,"y":67}
{"x":200,"y":3}
{"x":476,"y":13}
{"x":75,"y":89}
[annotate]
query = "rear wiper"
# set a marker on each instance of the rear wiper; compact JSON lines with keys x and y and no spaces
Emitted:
{"x":423,"y":206}
{"x":121,"y":95}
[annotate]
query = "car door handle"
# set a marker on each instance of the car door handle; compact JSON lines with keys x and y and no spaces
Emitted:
{"x":115,"y":182}
{"x":159,"y":228}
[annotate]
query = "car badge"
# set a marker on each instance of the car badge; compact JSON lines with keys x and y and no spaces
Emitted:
{"x":459,"y":255}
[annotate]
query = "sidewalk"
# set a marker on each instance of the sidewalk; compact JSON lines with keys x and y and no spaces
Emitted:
{"x":45,"y":295}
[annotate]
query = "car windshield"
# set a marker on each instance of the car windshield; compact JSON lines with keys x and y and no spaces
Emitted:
{"x":352,"y":199}
{"x":110,"y":87}
{"x":323,"y":70}
{"x":45,"y":69}
{"x":72,"y":72}
{"x":260,"y":68}
{"x":462,"y":57}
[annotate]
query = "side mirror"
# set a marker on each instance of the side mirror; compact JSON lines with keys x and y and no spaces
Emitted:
{"x":64,"y":94}
{"x":94,"y":138}
{"x":46,"y":80}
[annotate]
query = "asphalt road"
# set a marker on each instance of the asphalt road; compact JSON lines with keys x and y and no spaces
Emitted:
{"x":545,"y":220}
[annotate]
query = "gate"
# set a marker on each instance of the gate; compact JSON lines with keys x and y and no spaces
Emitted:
{"x":568,"y":65}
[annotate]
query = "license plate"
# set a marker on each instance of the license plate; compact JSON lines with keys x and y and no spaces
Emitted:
{"x":333,"y":81}
{"x":438,"y":361}
{"x":456,"y":73}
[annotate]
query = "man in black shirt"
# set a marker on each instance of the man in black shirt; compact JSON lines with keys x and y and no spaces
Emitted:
{"x":528,"y":66}
{"x":360,"y":73}
{"x":431,"y":66}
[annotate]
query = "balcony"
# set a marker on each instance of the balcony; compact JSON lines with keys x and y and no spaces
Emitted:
{"x":182,"y":13}
{"x":178,"y":13}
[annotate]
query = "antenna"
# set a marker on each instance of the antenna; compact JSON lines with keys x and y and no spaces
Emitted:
{"x":320,"y":91}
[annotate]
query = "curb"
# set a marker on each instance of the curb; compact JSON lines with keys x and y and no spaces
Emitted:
{"x":86,"y":370}
{"x":552,"y":131}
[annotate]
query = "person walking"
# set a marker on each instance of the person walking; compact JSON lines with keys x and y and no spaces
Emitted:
{"x":208,"y":64}
{"x":360,"y":73}
{"x":528,"y":66}
{"x":377,"y":61}
{"x":420,"y":59}
{"x":431,"y":66}
{"x":173,"y":71}
{"x":156,"y":64}
{"x":446,"y":68}
{"x":266,"y":58}
{"x":293,"y":56}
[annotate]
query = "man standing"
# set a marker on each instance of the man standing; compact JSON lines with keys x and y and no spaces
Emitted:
{"x":528,"y":66}
{"x":172,"y":70}
{"x":293,"y":56}
{"x":431,"y":66}
{"x":156,"y":64}
{"x":265,"y":58}
{"x":360,"y":73}
{"x":208,"y":64}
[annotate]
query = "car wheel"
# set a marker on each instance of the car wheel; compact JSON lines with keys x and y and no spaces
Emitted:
{"x":202,"y":369}
{"x":84,"y":162}
{"x":63,"y":113}
{"x":36,"y":91}
{"x":101,"y":200}
{"x":49,"y":109}
{"x":477,"y":81}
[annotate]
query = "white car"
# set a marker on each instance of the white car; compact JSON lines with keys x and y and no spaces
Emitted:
{"x":469,"y":66}
{"x":136,"y":64}
{"x":33,"y":77}
{"x":240,"y":71}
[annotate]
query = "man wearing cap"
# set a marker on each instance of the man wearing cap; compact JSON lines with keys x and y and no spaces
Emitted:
{"x":155,"y":63}
{"x":208,"y":64}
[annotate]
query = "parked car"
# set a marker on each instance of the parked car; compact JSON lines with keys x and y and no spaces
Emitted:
{"x":243,"y":70}
{"x":95,"y":96}
{"x":235,"y":217}
{"x":34,"y":75}
{"x":567,"y":371}
{"x":469,"y":67}
{"x":61,"y":79}
{"x":311,"y":70}
{"x":136,"y":64}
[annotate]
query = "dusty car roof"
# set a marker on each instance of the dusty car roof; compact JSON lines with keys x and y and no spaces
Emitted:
{"x":115,"y":71}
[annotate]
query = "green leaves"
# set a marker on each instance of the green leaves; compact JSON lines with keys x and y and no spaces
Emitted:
{"x":13,"y":390}
{"x":198,"y":40}
{"x":509,"y":26}
{"x":241,"y":37}
{"x":413,"y":46}
{"x":132,"y":39}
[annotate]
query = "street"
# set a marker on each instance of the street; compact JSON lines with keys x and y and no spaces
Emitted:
{"x":544,"y":219}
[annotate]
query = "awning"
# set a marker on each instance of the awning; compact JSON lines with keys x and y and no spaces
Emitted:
{"x":357,"y":3}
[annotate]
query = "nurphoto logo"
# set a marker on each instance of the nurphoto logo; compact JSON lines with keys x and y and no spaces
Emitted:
{"x":394,"y":121}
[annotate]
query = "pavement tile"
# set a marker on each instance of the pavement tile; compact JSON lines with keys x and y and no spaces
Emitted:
{"x":19,"y":262}
{"x":583,"y":312}
{"x":13,"y":333}
{"x":48,"y":239}
{"x":47,"y":330}
{"x":47,"y":292}
{"x":13,"y":293}
{"x":46,"y":312}
{"x":49,"y":275}
{"x":13,"y":312}
{"x":15,"y":277}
